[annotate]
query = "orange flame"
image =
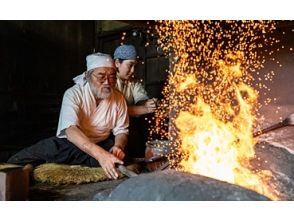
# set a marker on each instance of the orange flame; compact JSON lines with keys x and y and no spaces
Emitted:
{"x":217,"y":148}
{"x":212,"y":98}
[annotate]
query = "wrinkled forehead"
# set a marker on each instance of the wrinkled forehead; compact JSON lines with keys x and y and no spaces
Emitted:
{"x":104,"y":70}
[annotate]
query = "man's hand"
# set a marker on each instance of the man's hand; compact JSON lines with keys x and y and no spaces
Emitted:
{"x":107,"y":162}
{"x":118,"y":152}
{"x":105,"y":159}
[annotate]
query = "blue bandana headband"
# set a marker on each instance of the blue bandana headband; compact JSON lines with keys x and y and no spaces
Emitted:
{"x":125,"y":52}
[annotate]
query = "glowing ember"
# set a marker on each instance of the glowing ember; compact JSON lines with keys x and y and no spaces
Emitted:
{"x":211,"y":99}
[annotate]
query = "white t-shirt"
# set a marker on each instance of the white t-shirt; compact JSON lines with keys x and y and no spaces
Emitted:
{"x":96,"y":122}
{"x":132,"y":91}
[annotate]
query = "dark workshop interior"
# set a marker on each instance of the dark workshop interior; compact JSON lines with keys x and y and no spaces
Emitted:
{"x":39,"y":60}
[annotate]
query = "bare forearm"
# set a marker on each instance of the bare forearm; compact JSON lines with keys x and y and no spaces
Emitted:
{"x":121,"y":140}
{"x":105,"y":159}
{"x":137,"y":110}
{"x":78,"y":138}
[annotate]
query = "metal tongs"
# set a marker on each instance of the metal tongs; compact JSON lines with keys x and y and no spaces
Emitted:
{"x":124,"y":170}
{"x":150,"y":160}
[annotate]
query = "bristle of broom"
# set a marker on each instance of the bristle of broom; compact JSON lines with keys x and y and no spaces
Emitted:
{"x":59,"y":174}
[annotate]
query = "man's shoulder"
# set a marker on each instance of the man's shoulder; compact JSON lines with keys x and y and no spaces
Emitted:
{"x":75,"y":90}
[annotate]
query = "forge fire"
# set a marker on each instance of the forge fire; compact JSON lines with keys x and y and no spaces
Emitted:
{"x":212,"y":97}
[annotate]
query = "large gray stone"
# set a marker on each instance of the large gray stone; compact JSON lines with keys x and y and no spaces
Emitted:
{"x":171,"y":185}
{"x":280,"y":162}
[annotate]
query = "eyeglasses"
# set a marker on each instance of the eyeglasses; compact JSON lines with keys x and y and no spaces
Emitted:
{"x":102,"y":77}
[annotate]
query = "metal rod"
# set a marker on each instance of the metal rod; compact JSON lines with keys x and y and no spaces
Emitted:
{"x":270,"y":128}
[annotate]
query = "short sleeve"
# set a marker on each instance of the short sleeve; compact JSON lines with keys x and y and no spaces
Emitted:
{"x":139,"y":93}
{"x":122,"y":123}
{"x":69,"y":112}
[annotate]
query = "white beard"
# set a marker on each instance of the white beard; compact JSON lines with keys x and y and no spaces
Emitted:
{"x":103,"y":94}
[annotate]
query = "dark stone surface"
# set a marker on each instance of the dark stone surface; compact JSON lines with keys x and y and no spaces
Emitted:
{"x":171,"y":185}
{"x":281,"y":163}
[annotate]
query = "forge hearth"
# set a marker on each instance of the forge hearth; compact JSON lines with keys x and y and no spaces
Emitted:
{"x":171,"y":185}
{"x":278,"y":160}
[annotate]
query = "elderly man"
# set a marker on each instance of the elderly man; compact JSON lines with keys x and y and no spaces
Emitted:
{"x":90,"y":110}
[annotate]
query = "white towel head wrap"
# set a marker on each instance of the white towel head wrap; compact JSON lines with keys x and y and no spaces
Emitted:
{"x":99,"y":60}
{"x":94,"y":60}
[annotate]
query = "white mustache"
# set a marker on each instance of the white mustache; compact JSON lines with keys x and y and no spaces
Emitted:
{"x":106,"y":88}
